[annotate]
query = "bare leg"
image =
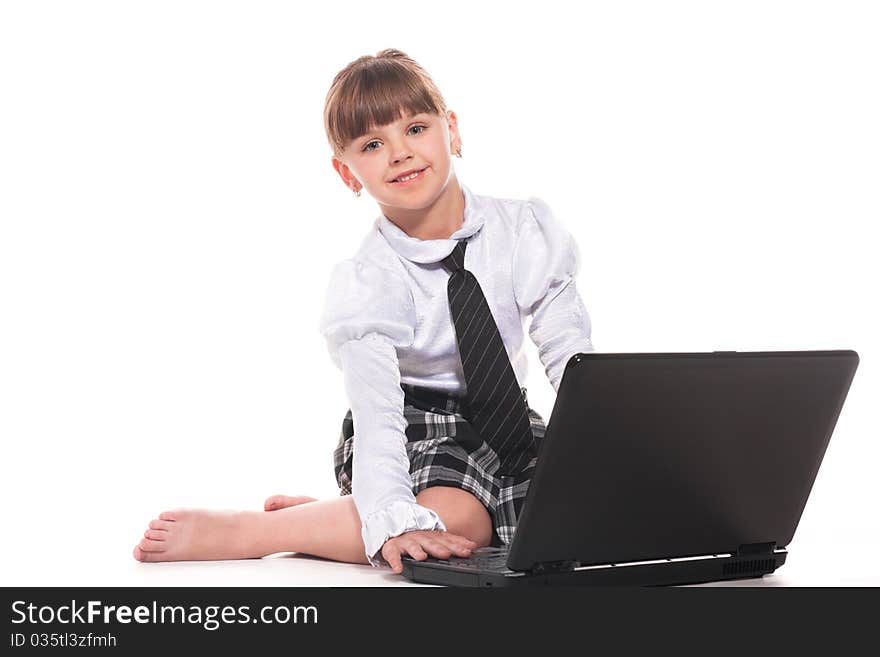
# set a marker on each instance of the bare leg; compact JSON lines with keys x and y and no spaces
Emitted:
{"x":461,"y":512}
{"x":325,"y":528}
{"x":328,"y":528}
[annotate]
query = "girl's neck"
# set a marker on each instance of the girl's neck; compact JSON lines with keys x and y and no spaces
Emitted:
{"x":435,"y":222}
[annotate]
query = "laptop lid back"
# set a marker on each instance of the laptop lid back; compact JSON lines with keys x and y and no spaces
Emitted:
{"x":650,"y":456}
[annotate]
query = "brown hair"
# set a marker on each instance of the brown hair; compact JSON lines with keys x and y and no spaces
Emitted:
{"x":375,"y":91}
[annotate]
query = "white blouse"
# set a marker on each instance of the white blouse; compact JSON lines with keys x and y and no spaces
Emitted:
{"x":386,"y":321}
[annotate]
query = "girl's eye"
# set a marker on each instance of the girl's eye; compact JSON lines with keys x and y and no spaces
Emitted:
{"x":422,"y":128}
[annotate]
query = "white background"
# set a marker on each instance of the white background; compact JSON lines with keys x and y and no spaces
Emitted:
{"x":170,"y":218}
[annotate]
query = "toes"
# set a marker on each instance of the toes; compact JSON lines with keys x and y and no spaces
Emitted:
{"x":149,"y":545}
{"x":140,"y":555}
{"x":283,"y":501}
{"x":171,"y":515}
{"x":161,"y":524}
{"x":156,"y":534}
{"x":276,"y":502}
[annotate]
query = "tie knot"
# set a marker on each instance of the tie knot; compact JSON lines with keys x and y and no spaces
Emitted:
{"x":455,"y":261}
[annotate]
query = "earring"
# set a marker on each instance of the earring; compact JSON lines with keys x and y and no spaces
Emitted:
{"x":357,"y":192}
{"x":458,"y":152}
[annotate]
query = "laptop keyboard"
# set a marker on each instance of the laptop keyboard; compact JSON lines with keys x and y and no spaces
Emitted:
{"x":486,"y":558}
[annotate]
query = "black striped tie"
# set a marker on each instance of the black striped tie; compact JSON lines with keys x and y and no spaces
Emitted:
{"x":498,"y":410}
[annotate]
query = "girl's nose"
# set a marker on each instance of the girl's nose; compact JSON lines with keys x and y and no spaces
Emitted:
{"x":401,"y":153}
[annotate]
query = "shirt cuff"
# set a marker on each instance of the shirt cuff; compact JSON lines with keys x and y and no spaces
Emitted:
{"x":394,"y":520}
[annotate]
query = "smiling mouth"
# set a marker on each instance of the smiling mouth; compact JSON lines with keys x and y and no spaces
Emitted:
{"x":411,"y":176}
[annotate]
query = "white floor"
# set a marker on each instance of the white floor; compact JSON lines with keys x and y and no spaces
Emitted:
{"x":300,"y":570}
{"x":104,"y":559}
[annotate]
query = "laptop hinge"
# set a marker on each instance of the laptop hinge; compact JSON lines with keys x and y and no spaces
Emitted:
{"x":547,"y":567}
{"x":750,"y":549}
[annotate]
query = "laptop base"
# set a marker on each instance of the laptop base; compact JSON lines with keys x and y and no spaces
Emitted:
{"x":654,"y":573}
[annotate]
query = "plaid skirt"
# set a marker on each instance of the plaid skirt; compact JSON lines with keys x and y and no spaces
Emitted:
{"x":445,"y":450}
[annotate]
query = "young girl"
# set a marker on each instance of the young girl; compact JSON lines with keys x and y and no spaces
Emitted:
{"x":435,"y":457}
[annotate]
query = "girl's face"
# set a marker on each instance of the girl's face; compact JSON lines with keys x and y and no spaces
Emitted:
{"x":381,"y":159}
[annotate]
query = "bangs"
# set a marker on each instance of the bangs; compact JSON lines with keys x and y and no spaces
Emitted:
{"x":378,"y":95}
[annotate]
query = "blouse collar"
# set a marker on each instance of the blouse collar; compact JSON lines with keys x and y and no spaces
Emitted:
{"x":426,"y":251}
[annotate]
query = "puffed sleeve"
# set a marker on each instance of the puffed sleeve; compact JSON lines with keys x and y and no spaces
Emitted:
{"x":545,"y":264}
{"x":365,"y":299}
{"x":369,"y":314}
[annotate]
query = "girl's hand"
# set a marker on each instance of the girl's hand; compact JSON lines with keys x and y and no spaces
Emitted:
{"x":422,"y":543}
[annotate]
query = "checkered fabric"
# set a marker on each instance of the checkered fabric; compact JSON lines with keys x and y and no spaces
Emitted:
{"x":445,"y":450}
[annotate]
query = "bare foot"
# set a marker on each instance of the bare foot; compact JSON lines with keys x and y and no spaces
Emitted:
{"x":196,"y":535}
{"x":283,"y":501}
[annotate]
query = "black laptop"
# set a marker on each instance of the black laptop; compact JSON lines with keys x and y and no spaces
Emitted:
{"x":667,"y":468}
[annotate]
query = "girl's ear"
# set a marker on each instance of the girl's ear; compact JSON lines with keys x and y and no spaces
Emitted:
{"x":452,"y":121}
{"x":345,"y":173}
{"x":342,"y":169}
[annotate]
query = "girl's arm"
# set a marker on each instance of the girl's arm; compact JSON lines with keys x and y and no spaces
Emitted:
{"x":369,"y":314}
{"x":381,"y":482}
{"x":545,"y":265}
{"x":560,"y":329}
